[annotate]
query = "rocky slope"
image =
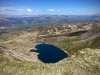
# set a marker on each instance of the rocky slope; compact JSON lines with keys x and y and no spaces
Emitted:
{"x":58,"y":30}
{"x":18,"y":48}
{"x":94,"y":32}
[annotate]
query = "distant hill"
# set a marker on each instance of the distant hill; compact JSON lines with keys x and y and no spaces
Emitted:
{"x":98,"y":14}
{"x":24,"y":22}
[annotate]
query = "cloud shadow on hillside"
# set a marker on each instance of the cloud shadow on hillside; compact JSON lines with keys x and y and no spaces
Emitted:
{"x":49,"y":53}
{"x":78,"y":33}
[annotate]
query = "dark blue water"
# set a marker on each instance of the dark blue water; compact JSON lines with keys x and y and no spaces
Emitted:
{"x":49,"y":53}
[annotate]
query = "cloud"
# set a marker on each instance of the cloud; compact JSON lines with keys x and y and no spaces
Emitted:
{"x":11,"y":9}
{"x":25,"y":10}
{"x":20,"y":10}
{"x":7,"y":9}
{"x":58,"y":10}
{"x":38,"y":10}
{"x":51,"y":10}
{"x":70,"y":11}
{"x":29,"y":10}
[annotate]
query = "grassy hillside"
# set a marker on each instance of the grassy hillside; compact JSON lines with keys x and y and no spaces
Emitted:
{"x":83,"y":59}
{"x":83,"y":54}
{"x":86,"y":63}
{"x":73,"y":44}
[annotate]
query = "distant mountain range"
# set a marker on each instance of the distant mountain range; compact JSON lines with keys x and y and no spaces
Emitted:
{"x":27,"y":21}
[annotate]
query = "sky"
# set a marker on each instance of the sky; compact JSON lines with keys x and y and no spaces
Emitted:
{"x":51,"y":7}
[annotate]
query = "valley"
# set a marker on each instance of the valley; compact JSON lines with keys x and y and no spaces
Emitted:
{"x":50,"y":46}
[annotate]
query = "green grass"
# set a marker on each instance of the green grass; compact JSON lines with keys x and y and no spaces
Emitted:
{"x":3,"y":38}
{"x":84,"y":58}
{"x":64,"y":43}
{"x":68,"y":43}
{"x":86,"y":63}
{"x":95,"y":43}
